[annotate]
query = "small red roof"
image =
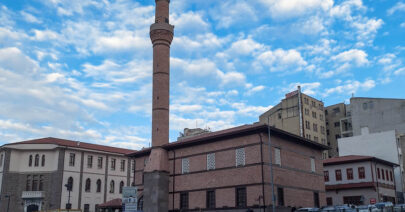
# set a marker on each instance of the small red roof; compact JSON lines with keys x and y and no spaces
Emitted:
{"x":76,"y":144}
{"x":354,"y":158}
{"x":115,"y":203}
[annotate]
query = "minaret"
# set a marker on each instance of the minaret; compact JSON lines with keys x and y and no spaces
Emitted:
{"x":156,"y":173}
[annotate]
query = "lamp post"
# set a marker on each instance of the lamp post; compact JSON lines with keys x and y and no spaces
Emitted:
{"x":271,"y":166}
{"x":69,"y":188}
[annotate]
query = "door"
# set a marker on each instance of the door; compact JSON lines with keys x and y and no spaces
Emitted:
{"x":32,"y":208}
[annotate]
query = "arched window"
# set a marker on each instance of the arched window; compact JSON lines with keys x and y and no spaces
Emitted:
{"x":98,"y":185}
{"x":70,"y":183}
{"x":43,"y":160}
{"x":36,"y":160}
{"x":30,"y":161}
{"x":112,"y":186}
{"x":121,"y":186}
{"x":88,"y":185}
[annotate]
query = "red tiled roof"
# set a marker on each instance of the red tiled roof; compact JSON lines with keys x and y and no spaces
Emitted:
{"x":76,"y":144}
{"x":354,"y":158}
{"x":115,"y":203}
{"x":235,"y":131}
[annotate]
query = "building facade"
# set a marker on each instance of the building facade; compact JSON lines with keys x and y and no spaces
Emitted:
{"x":358,"y":180}
{"x":336,"y":116}
{"x":33,"y":174}
{"x":386,"y":145}
{"x":230,"y":170}
{"x":299,"y":114}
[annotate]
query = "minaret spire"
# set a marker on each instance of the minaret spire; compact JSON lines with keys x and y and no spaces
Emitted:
{"x":156,"y":173}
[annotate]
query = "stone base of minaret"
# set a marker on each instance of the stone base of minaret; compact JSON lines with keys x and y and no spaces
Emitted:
{"x":156,"y":182}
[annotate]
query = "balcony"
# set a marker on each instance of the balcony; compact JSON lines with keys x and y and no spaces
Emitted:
{"x":32,"y":194}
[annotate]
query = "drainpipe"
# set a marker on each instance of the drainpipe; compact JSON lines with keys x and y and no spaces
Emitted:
{"x":271,"y":167}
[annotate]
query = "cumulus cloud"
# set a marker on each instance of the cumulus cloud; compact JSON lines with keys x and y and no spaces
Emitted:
{"x":234,"y":13}
{"x":280,"y":60}
{"x":398,"y":7}
{"x":13,"y":59}
{"x":294,"y":8}
{"x":311,"y":89}
{"x":30,"y":18}
{"x":352,"y":56}
{"x":350,"y":86}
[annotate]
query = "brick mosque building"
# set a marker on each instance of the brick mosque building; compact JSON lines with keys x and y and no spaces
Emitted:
{"x":230,"y":170}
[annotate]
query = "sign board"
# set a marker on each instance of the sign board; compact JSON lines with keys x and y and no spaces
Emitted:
{"x":129,"y":192}
{"x":373,"y":201}
{"x":129,"y":199}
{"x":291,"y":94}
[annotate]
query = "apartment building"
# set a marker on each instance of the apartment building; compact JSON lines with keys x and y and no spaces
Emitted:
{"x":336,"y":125}
{"x":230,"y":170}
{"x":33,"y":174}
{"x":299,"y":114}
{"x":358,"y":180}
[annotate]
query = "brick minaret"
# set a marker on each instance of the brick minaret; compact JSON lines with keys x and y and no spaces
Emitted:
{"x":156,"y":182}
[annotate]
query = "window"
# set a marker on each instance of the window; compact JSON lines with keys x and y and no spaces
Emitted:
{"x":210,"y":199}
{"x":70,"y":183}
{"x":378,"y":173}
{"x":277,"y":156}
{"x":316,"y":199}
{"x":88,"y":185}
{"x":145,"y":161}
{"x":100,"y":162}
{"x":349,"y":173}
{"x":316,"y":138}
{"x":386,"y":174}
{"x":41,"y":183}
{"x":1,"y":160}
{"x":327,"y":132}
{"x":329,"y":201}
{"x":240,"y":197}
{"x":122,"y":165}
{"x":313,"y":114}
{"x":362,"y":173}
{"x":337,"y":124}
{"x":43,"y":161}
{"x":112,"y":186}
{"x":133,"y":165}
{"x":307,"y":125}
{"x":30,"y":161}
{"x":382,"y":174}
{"x":279,"y":115}
{"x":337,"y":136}
{"x":35,"y":183}
{"x":86,"y":208}
{"x":313,"y":104}
{"x":28,"y":184}
{"x":36,"y":163}
{"x":98,"y":186}
{"x":306,"y":101}
{"x":391,"y":178}
{"x":72,"y":159}
{"x":121,"y":186}
{"x":338,"y":175}
{"x":322,"y":130}
{"x":211,"y":161}
{"x":321,"y":117}
{"x":185,"y":165}
{"x":280,"y":196}
{"x":184,"y":200}
{"x":240,"y":157}
{"x":306,"y":111}
{"x":315,"y":126}
{"x":312,"y":164}
{"x":112,"y":163}
{"x":326,"y":176}
{"x":89,"y":161}
{"x":336,"y":110}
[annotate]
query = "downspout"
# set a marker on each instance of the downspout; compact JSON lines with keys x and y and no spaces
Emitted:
{"x":174,"y":177}
{"x":262,"y":164}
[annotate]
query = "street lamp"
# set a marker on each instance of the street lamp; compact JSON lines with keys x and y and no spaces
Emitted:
{"x":271,"y":166}
{"x":69,"y":188}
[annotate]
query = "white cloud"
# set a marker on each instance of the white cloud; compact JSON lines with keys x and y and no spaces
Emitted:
{"x":189,"y":22}
{"x":30,"y":18}
{"x":311,"y":89}
{"x":400,"y":71}
{"x":234,"y":13}
{"x":13,"y":59}
{"x":280,"y":59}
{"x":345,"y":9}
{"x":255,"y":89}
{"x":249,"y":110}
{"x":366,"y":28}
{"x":403,"y":24}
{"x":294,"y":8}
{"x":353,"y":56}
{"x":45,"y":35}
{"x":121,"y":41}
{"x":351,"y":87}
{"x":399,"y":6}
{"x":387,"y":59}
{"x":245,"y":47}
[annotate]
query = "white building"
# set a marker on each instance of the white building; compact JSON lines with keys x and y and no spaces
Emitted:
{"x":33,"y":174}
{"x":385,"y":145}
{"x":358,"y":180}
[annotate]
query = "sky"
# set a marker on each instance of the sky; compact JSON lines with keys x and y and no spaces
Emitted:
{"x":82,"y":69}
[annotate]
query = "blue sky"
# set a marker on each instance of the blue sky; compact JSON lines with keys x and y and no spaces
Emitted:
{"x":81,"y":69}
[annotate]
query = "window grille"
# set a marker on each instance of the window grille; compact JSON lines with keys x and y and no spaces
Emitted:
{"x":185,"y":165}
{"x":211,"y":161}
{"x":240,"y":157}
